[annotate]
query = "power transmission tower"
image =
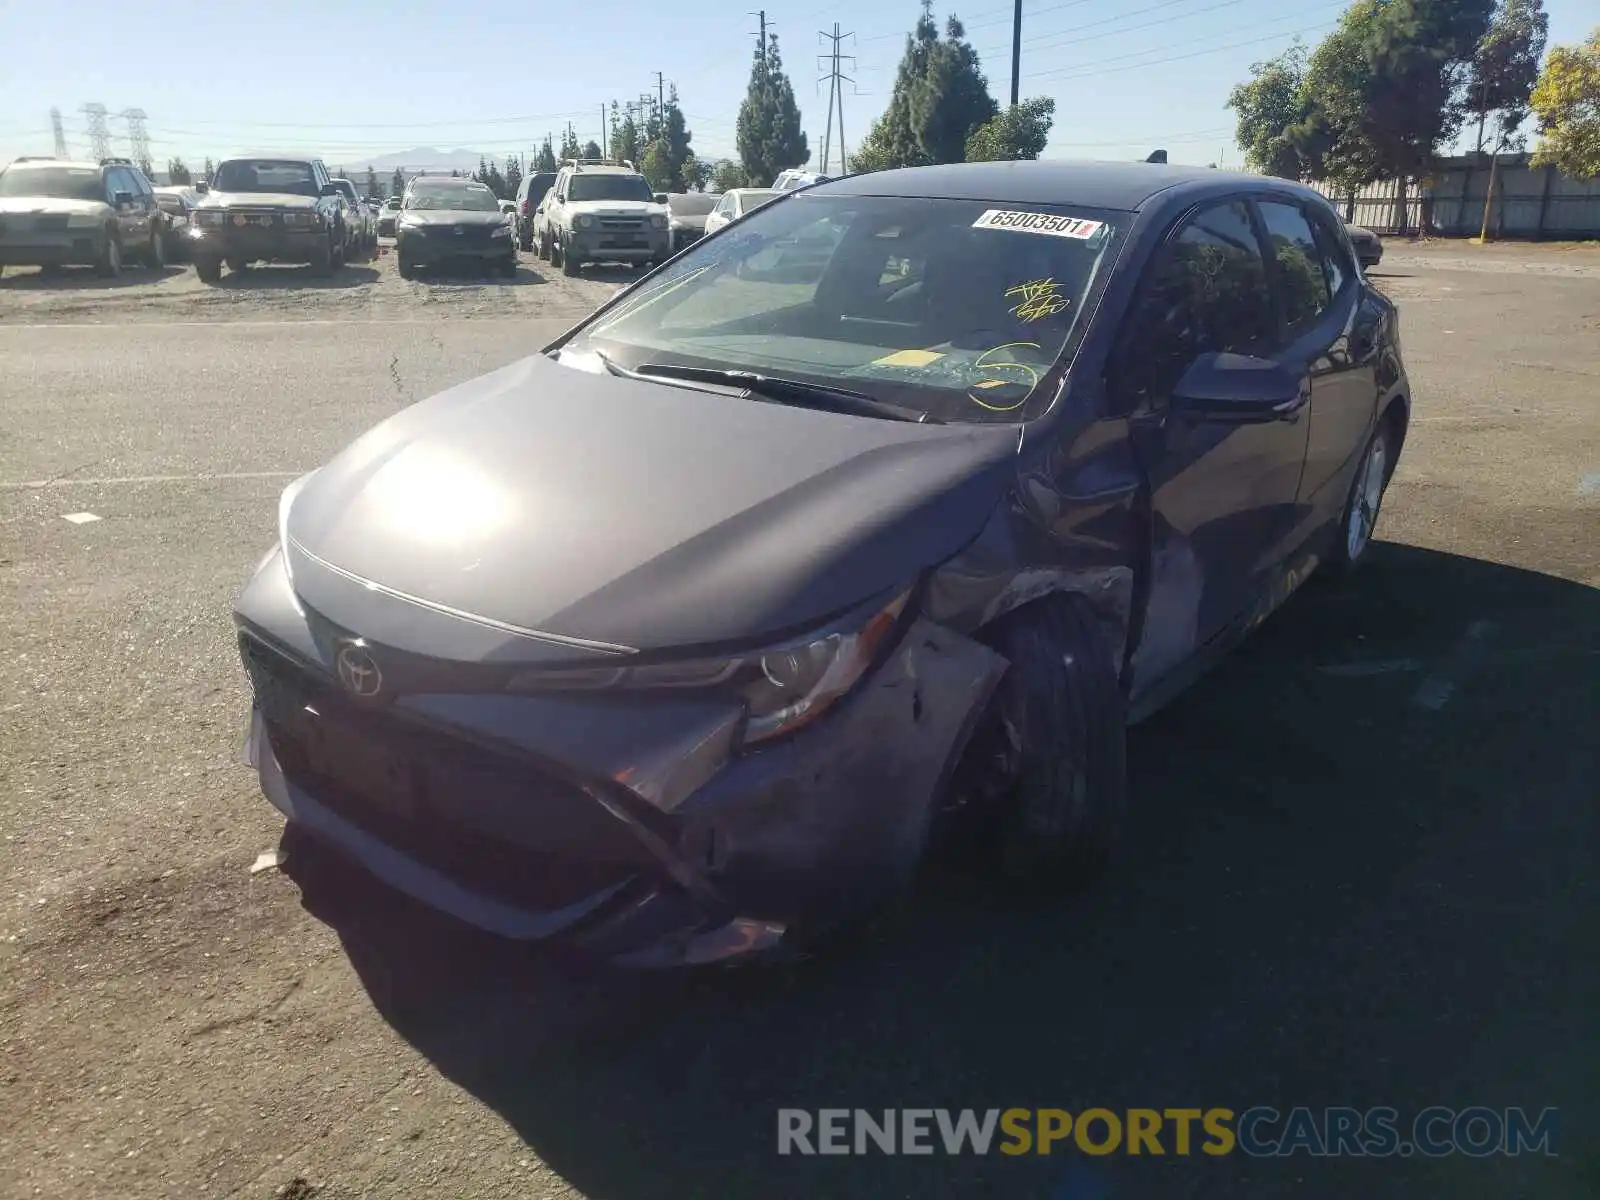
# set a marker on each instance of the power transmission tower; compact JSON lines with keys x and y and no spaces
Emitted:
{"x":96,"y":131}
{"x":138,"y":135}
{"x":835,"y":78}
{"x":61,"y":135}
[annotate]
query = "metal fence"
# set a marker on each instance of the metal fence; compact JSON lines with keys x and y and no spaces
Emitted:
{"x":1529,"y":202}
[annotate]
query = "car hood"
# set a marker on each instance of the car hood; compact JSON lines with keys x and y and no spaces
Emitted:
{"x":14,"y":205}
{"x":616,"y":208}
{"x":589,"y":510}
{"x":256,"y":200}
{"x":443,"y":216}
{"x":697,"y":221}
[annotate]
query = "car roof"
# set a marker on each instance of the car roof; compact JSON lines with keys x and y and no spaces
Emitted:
{"x":1114,"y":185}
{"x":308,"y":159}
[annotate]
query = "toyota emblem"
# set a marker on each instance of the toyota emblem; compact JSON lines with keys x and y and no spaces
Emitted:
{"x":358,"y":673}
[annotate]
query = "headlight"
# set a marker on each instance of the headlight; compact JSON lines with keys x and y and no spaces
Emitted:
{"x":502,"y":231}
{"x":285,"y":503}
{"x":78,"y":221}
{"x":583,"y":221}
{"x":783,"y":688}
{"x":209,"y":217}
{"x":659,"y":221}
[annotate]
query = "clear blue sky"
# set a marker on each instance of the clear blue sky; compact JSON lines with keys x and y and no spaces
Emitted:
{"x":354,"y":79}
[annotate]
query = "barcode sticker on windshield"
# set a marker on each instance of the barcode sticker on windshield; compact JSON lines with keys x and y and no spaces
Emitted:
{"x":1036,"y":222}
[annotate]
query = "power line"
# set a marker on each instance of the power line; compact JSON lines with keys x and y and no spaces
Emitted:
{"x":1075,"y":73}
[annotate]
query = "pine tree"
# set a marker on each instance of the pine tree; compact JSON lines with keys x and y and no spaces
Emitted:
{"x":397,"y":185}
{"x":675,"y":135}
{"x":545,"y":160}
{"x":177,"y":171}
{"x":372,"y":182}
{"x":513,"y":176}
{"x":940,"y":99}
{"x":625,"y":141}
{"x":769,"y":136}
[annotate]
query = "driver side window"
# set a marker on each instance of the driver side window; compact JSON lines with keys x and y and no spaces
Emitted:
{"x":1206,"y":291}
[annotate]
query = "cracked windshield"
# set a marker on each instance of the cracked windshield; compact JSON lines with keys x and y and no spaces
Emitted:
{"x":837,"y":600}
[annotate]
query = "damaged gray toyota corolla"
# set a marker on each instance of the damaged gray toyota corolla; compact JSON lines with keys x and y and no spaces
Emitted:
{"x":881,"y":510}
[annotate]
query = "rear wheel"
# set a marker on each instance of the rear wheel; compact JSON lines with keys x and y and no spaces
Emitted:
{"x":1361,"y":507}
{"x":407,"y":269}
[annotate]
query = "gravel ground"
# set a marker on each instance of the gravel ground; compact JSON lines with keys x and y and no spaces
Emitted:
{"x":1331,"y":892}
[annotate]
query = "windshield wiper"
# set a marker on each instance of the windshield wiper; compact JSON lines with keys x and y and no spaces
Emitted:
{"x":796,"y":392}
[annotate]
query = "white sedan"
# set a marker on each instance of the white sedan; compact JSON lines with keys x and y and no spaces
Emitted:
{"x":734,"y":204}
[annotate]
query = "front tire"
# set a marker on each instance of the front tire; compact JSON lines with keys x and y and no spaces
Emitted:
{"x":109,"y":264}
{"x":406,"y":268}
{"x":1048,"y":764}
{"x":155,"y":256}
{"x":208,"y":270}
{"x":1360,"y":517}
{"x":569,"y":264}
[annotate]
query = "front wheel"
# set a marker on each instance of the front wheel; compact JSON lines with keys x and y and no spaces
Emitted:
{"x":569,"y":264}
{"x":406,"y":269}
{"x":155,"y":255}
{"x":1361,"y":507}
{"x":109,"y":264}
{"x":209,"y":270}
{"x":1047,"y":770}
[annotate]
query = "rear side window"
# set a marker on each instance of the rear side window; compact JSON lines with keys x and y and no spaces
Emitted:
{"x":1336,"y":264}
{"x":1206,"y":292}
{"x":1302,"y":275}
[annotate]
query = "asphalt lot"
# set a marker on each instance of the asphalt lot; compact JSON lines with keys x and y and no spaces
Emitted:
{"x":1360,"y":868}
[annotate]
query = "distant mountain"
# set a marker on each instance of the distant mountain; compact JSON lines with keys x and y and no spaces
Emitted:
{"x":423,"y":158}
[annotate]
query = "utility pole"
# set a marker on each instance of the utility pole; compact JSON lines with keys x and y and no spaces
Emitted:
{"x":1016,"y":51}
{"x":61,"y":134}
{"x":661,"y":90}
{"x":761,"y":38}
{"x":835,"y":79}
{"x":98,"y":134}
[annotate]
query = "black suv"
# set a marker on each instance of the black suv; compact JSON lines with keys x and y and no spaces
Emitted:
{"x":268,"y":210}
{"x":529,"y":193}
{"x":55,"y":212}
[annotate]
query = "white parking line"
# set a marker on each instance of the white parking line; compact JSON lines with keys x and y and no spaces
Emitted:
{"x":1434,"y":692}
{"x":36,"y":484}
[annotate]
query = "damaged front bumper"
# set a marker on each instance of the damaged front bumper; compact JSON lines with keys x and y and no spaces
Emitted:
{"x":633,"y":830}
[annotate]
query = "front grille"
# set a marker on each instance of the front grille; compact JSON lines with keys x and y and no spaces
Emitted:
{"x":622,"y":223}
{"x":492,"y":821}
{"x":50,"y":223}
{"x":466,"y":235}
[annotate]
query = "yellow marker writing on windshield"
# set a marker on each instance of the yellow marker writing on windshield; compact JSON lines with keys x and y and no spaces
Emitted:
{"x":1037,"y":298}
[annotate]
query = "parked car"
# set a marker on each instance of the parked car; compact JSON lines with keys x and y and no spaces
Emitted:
{"x":178,"y":202}
{"x":793,"y":178}
{"x":268,"y":210}
{"x":603,"y":212}
{"x":509,"y":207}
{"x":531,"y":192}
{"x":686,"y":637}
{"x":735,"y":203}
{"x":1369,"y":246}
{"x":688,"y":212}
{"x":388,"y":215}
{"x":453,"y":222}
{"x":360,"y":222}
{"x":62,"y":212}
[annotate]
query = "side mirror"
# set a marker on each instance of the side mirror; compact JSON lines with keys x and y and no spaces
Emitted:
{"x":1238,"y":388}
{"x":123,"y":199}
{"x":660,"y":197}
{"x":202,"y":187}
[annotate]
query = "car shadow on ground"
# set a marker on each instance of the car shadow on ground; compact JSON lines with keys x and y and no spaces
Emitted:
{"x":526,"y":276}
{"x":1359,"y":870}
{"x":262,"y":277}
{"x":67,"y":279}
